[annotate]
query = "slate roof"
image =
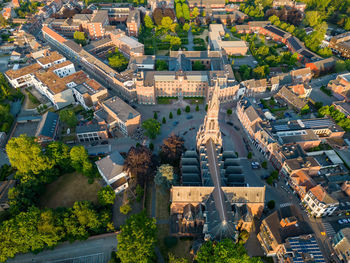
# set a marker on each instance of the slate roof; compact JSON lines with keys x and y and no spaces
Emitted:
{"x":111,"y":165}
{"x":123,"y":110}
{"x":47,"y":125}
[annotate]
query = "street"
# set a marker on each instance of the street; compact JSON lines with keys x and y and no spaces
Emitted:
{"x":96,"y":249}
{"x":317,"y":94}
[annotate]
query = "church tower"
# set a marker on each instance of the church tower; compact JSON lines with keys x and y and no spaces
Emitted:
{"x":210,"y":128}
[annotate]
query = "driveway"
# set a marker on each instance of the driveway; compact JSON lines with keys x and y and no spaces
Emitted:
{"x":96,"y":249}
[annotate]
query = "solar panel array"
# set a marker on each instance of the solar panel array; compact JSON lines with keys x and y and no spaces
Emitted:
{"x":302,"y":246}
{"x":276,"y":31}
{"x":295,"y":44}
{"x":317,"y":123}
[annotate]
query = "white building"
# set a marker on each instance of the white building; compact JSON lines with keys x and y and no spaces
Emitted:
{"x":111,"y":170}
{"x":319,"y":202}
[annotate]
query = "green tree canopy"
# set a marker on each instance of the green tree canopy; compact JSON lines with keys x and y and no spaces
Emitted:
{"x":117,"y":60}
{"x":148,"y":22}
{"x":152,"y":128}
{"x":79,"y":37}
{"x":68,"y":117}
{"x":106,"y":196}
{"x":224,"y":251}
{"x":27,"y":156}
{"x":137,"y":239}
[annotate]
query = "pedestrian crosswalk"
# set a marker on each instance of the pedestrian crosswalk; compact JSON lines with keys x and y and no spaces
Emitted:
{"x":285,"y":205}
{"x":328,"y":229}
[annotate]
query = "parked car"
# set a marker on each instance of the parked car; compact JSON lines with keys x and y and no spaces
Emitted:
{"x":188,"y":117}
{"x":237,"y":128}
{"x":264,"y":176}
{"x":229,"y":123}
{"x":175,"y":123}
{"x":104,"y":142}
{"x":94,"y":143}
{"x":255,"y":165}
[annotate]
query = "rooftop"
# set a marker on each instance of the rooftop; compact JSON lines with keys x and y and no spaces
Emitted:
{"x":321,"y":194}
{"x":123,"y":110}
{"x":48,"y":124}
{"x":14,"y":74}
{"x":52,"y":57}
{"x":111,"y":165}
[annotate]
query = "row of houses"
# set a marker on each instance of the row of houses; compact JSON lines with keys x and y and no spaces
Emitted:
{"x":294,"y":45}
{"x":287,"y":143}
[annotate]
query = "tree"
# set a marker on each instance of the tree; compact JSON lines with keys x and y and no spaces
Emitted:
{"x":186,"y":27}
{"x":179,"y":13}
{"x":197,"y":107}
{"x":347,"y":24}
{"x":261,"y":71}
{"x":178,"y":111}
{"x":167,"y":24}
{"x":27,"y":156}
{"x":79,"y":37}
{"x":197,"y":65}
{"x":173,"y":259}
{"x":271,"y":204}
{"x":163,"y":120}
{"x":250,"y":155}
{"x":229,"y":111}
{"x":325,"y":52}
{"x":173,"y":40}
{"x":161,"y":65}
{"x":68,"y":117}
{"x":148,"y":22}
{"x":137,"y":239}
{"x":224,"y":251}
{"x":264,"y":164}
{"x":151,"y":127}
{"x":194,"y":13}
{"x":313,"y":18}
{"x":125,"y":209}
{"x":155,"y":115}
{"x":340,"y":66}
{"x":170,"y":115}
{"x":187,"y":109}
{"x":305,"y":110}
{"x":106,"y":196}
{"x":171,"y":150}
{"x":117,"y":60}
{"x":151,"y":146}
{"x":80,"y":160}
{"x":59,"y":153}
{"x":164,"y":176}
{"x":157,"y":16}
{"x":139,"y":164}
{"x":186,"y":11}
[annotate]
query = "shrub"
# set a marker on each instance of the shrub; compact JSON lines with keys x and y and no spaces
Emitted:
{"x":139,"y":193}
{"x":250,"y":155}
{"x":178,"y":112}
{"x":151,"y":146}
{"x":229,"y":111}
{"x":163,"y":120}
{"x":206,"y":107}
{"x":170,"y":115}
{"x":155,"y":115}
{"x":274,"y":174}
{"x":264,"y":164}
{"x":125,"y":209}
{"x":197,"y":108}
{"x":187,"y":109}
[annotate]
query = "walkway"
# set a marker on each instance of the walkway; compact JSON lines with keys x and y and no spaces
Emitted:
{"x":190,"y":45}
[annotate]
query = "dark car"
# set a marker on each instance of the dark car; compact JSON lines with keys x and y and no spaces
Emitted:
{"x":237,"y":128}
{"x":104,"y":142}
{"x":188,"y":117}
{"x":175,"y":123}
{"x":229,"y":123}
{"x":94,"y":143}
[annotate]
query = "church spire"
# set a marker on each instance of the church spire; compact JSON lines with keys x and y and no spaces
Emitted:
{"x":210,"y":128}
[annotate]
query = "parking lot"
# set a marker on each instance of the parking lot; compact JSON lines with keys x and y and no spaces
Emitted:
{"x":28,"y":128}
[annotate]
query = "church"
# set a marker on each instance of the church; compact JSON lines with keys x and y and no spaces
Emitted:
{"x":213,"y":201}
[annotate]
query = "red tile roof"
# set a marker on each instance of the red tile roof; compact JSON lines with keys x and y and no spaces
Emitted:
{"x":53,"y":34}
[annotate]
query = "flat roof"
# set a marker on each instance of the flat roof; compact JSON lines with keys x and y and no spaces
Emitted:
{"x":14,"y":74}
{"x":131,"y":42}
{"x":123,"y":110}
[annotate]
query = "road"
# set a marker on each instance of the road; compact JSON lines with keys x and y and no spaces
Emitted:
{"x":94,"y":250}
{"x":317,"y":94}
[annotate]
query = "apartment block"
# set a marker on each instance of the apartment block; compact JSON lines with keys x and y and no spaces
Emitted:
{"x":92,"y":131}
{"x":319,"y":202}
{"x":341,"y":244}
{"x":118,"y":114}
{"x":340,"y":45}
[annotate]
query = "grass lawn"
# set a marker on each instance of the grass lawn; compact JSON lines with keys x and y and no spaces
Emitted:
{"x":67,"y":189}
{"x":162,"y":204}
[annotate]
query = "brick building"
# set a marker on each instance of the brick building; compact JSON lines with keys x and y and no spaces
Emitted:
{"x":340,"y":45}
{"x":133,"y":23}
